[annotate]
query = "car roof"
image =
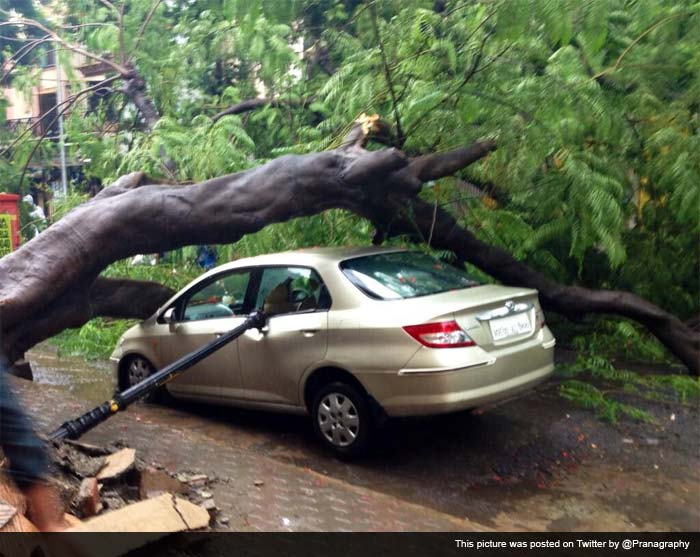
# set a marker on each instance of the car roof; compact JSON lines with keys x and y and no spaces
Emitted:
{"x":307,"y":256}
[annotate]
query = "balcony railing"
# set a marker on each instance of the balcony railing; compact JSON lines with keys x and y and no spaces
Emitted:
{"x":17,"y":124}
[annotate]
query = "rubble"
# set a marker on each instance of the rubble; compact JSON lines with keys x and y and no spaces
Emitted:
{"x":7,"y":512}
{"x":166,"y":513}
{"x":210,"y":506}
{"x":107,"y":489}
{"x":72,"y":459}
{"x":198,"y":480}
{"x":88,"y":498}
{"x":117,"y":464}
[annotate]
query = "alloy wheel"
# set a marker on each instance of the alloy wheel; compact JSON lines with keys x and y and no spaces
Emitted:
{"x":338,"y":419}
{"x":138,"y":370}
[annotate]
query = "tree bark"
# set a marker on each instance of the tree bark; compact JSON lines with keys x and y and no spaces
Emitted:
{"x":135,"y":88}
{"x":117,"y":298}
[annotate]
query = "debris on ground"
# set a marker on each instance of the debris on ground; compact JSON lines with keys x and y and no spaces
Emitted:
{"x":117,"y":464}
{"x":154,"y":482}
{"x":7,"y":512}
{"x":88,"y":498}
{"x":166,"y":513}
{"x":106,"y":489}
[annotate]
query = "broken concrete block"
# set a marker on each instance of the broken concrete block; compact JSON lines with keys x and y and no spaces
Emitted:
{"x":87,"y":501}
{"x":19,"y":523}
{"x":163,"y":514}
{"x":153,"y":494}
{"x":153,"y":480}
{"x":117,"y":464}
{"x":210,"y":506}
{"x":7,"y":512}
{"x":197,"y":480}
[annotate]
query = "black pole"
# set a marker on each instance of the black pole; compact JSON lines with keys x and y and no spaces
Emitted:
{"x":73,"y":429}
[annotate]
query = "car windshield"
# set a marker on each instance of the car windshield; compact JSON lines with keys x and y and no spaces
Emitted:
{"x":400,"y":275}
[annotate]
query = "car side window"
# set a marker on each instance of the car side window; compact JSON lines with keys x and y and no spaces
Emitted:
{"x":291,"y":290}
{"x":222,"y":297}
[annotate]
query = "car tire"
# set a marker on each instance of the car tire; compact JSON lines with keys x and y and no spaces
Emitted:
{"x":342,"y":419}
{"x":136,"y":369}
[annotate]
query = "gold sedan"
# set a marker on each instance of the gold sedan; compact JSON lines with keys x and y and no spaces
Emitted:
{"x":353,"y":334}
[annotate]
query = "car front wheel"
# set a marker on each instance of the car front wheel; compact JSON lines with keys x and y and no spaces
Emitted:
{"x":136,"y":369}
{"x":342,"y":419}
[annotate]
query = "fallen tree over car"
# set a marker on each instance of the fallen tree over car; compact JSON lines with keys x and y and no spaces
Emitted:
{"x":53,"y":283}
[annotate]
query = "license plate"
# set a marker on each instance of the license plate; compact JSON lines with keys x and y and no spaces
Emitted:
{"x":511,"y":326}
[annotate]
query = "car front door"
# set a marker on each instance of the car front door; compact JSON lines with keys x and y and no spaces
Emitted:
{"x":202,"y":314}
{"x":296,"y":336}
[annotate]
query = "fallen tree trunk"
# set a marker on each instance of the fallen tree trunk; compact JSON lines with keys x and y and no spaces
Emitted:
{"x":116,"y":298}
{"x":51,"y":283}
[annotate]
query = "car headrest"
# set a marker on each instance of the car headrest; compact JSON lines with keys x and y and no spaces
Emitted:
{"x":277,"y":301}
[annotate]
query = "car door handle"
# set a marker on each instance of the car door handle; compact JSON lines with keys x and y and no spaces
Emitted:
{"x":309,"y":332}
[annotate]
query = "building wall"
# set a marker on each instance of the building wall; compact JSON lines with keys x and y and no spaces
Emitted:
{"x":22,"y":106}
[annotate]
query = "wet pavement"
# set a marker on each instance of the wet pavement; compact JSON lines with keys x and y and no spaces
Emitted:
{"x":535,"y":463}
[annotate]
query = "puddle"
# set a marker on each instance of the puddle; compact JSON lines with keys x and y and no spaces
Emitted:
{"x":90,"y":381}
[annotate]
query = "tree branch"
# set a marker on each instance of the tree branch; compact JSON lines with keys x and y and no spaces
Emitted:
{"x":144,"y":25}
{"x":438,"y":165}
{"x":401,"y":137}
{"x":253,"y":104}
{"x":75,"y":48}
{"x":105,"y":297}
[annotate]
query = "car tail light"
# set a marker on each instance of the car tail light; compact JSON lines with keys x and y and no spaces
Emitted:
{"x":446,"y":334}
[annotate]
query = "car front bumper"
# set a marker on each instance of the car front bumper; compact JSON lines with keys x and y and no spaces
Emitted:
{"x":114,"y":367}
{"x":423,"y":392}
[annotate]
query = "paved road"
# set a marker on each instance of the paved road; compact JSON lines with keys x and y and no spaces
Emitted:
{"x":532,"y":464}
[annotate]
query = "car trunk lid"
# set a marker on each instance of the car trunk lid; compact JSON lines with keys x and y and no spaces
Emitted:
{"x":494,"y":316}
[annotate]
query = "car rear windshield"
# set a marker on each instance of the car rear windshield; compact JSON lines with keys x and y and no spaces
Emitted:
{"x":400,"y":275}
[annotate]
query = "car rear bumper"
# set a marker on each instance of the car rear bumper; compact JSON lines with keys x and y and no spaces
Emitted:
{"x":443,"y":391}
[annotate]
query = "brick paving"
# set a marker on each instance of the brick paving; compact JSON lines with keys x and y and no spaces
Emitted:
{"x":290,"y":497}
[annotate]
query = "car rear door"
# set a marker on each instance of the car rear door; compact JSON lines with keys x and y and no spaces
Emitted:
{"x":296,"y":336}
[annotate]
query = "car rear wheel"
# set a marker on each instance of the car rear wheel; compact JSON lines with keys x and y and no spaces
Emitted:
{"x":342,"y":419}
{"x":136,"y":369}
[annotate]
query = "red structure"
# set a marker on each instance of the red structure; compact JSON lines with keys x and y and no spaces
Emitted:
{"x":9,"y":223}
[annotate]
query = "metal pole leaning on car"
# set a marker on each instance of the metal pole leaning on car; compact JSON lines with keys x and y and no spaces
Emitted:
{"x":73,"y":429}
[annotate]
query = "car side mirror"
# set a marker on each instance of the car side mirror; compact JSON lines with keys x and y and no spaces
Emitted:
{"x":169,"y":318}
